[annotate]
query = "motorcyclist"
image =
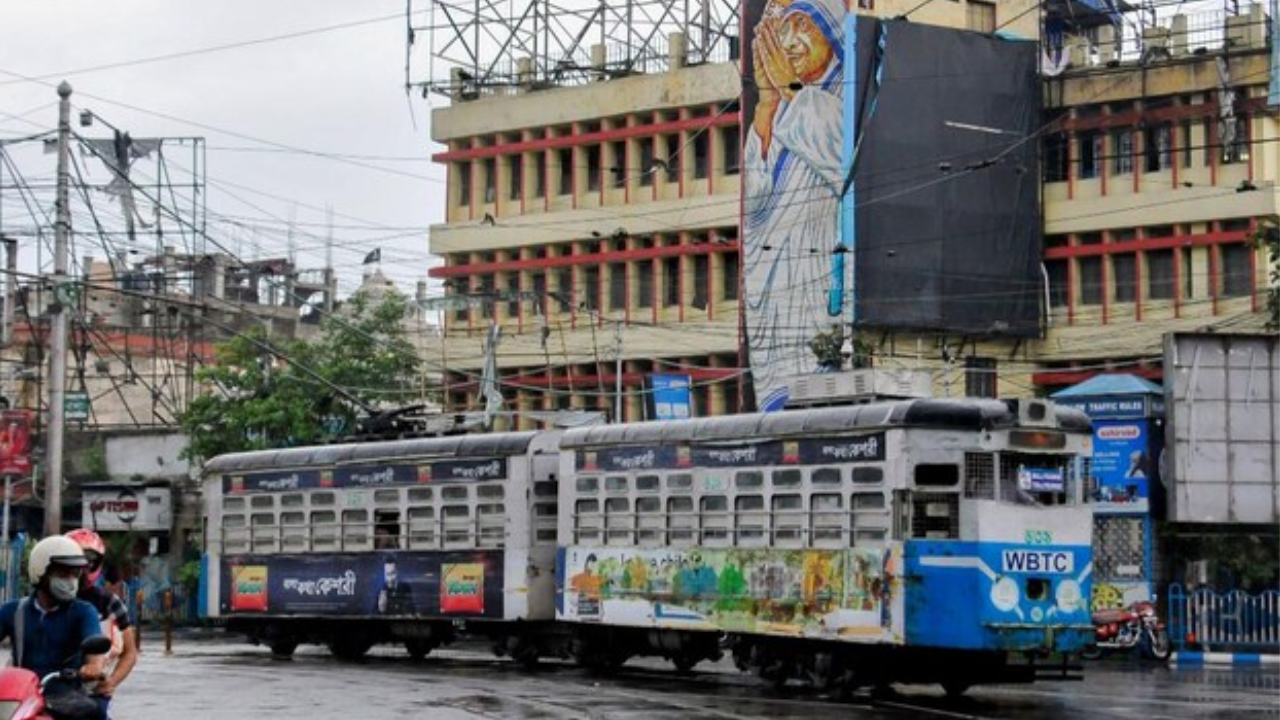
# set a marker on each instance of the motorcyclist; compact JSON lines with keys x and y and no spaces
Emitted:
{"x":113,"y":614}
{"x":54,"y":623}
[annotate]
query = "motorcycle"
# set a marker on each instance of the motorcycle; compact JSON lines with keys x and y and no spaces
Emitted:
{"x":57,"y":696}
{"x":1137,"y":626}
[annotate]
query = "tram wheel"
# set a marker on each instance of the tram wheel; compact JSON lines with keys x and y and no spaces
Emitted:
{"x":955,"y":688}
{"x":283,"y":648}
{"x":418,"y":648}
{"x":349,"y":649}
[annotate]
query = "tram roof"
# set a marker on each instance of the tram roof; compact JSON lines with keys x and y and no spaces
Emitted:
{"x":481,"y":445}
{"x":964,"y":414}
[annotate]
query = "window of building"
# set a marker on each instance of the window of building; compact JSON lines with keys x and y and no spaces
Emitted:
{"x":1124,"y":270}
{"x":564,"y":288}
{"x":671,"y":281}
{"x":673,"y":157}
{"x":1090,"y":280}
{"x":1059,"y":290}
{"x":731,"y":149}
{"x":618,"y":286}
{"x":618,"y":171}
{"x":464,"y":183}
{"x":729,"y":276}
{"x":591,"y":288}
{"x":646,"y":168}
{"x":517,"y":177}
{"x":1184,"y":256}
{"x":1185,"y":143}
{"x":540,"y":175}
{"x":644,"y":284}
{"x":592,"y":153}
{"x":487,"y":289}
{"x":1121,"y":151}
{"x":513,"y":294}
{"x":981,"y":16}
{"x":701,"y":154}
{"x":1160,"y":276}
{"x":490,"y":179}
{"x":565,"y":159}
{"x":1237,"y":270}
{"x":1055,"y":157}
{"x":700,"y":281}
{"x":980,"y":377}
{"x":1090,"y":153}
{"x":1210,"y":134}
{"x":1157,"y":147}
{"x":1235,"y":140}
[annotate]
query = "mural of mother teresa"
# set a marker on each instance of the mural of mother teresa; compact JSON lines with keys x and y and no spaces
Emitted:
{"x":793,"y":179}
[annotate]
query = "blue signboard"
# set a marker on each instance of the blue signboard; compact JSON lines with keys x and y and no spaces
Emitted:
{"x":671,"y":397}
{"x":1122,"y":465}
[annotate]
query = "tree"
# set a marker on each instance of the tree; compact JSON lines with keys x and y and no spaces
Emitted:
{"x":267,"y":393}
{"x":829,"y":349}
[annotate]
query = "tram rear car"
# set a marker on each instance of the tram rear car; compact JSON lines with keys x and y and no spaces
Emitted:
{"x":919,"y":541}
{"x":403,"y":542}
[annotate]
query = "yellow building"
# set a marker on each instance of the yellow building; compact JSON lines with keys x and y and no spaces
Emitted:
{"x":599,"y":225}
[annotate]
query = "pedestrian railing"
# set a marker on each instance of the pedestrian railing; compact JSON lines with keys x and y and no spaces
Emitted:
{"x":1205,"y":619}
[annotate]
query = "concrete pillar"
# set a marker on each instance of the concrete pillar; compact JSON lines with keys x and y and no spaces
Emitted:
{"x":1178,"y":35}
{"x":678,"y":50}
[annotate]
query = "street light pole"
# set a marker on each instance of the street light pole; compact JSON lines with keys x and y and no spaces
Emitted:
{"x":58,"y":328}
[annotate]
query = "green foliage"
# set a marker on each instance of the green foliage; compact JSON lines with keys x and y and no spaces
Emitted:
{"x":189,"y":576}
{"x":1267,"y":236}
{"x":828,"y":348}
{"x":267,"y":393}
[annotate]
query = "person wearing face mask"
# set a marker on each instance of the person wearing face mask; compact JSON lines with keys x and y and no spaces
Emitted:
{"x":54,"y":623}
{"x":113,"y":615}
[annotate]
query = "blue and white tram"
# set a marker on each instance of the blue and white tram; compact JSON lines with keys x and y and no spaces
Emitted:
{"x":400,"y":541}
{"x":916,"y":541}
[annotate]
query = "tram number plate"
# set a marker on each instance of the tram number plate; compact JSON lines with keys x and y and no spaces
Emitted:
{"x":1041,"y":561}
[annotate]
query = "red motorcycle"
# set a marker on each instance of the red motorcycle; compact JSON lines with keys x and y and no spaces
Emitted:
{"x":1137,"y":626}
{"x":57,"y":696}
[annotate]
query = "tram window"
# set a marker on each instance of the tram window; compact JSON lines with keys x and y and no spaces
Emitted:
{"x":262,"y":502}
{"x":681,"y":521}
{"x":490,"y":492}
{"x":233,"y":503}
{"x":788,"y":519}
{"x":491,"y":521}
{"x":868,"y":501}
{"x":868,"y":475}
{"x":680,"y":482}
{"x":980,"y":475}
{"x":293,"y":500}
{"x":587,"y":519}
{"x":587,"y":485}
{"x":422,"y":527}
{"x":786,"y":478}
{"x":615,"y":484}
{"x":715,"y":519}
{"x":870,"y":519}
{"x":324,"y":530}
{"x":617,"y":521}
{"x":232,"y":521}
{"x":825,"y":476}
{"x":544,"y":518}
{"x":828,"y":519}
{"x":749,"y":519}
{"x":454,"y":492}
{"x":355,"y":529}
{"x":234,"y":537}
{"x":649,"y":520}
{"x":386,"y":530}
{"x":457,"y":525}
{"x":293,"y":531}
{"x":937,"y":475}
{"x":322,"y":499}
{"x":748,"y":480}
{"x":386,"y":497}
{"x":418,"y":495}
{"x":647,"y":483}
{"x":545,"y":488}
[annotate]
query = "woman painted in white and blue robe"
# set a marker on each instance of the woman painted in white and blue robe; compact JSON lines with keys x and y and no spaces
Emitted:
{"x":793,"y":180}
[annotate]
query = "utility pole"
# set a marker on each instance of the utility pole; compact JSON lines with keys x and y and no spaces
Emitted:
{"x":617,"y":349}
{"x":58,"y":329}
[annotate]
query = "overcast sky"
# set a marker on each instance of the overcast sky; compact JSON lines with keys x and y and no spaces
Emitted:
{"x":297,"y":128}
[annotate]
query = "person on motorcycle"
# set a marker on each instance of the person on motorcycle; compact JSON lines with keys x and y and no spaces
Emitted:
{"x":52,"y":623}
{"x":113,"y":614}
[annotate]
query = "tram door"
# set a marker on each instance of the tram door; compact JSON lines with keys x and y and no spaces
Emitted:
{"x":542,"y":543}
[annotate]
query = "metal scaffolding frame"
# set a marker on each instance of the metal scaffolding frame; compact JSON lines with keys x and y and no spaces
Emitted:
{"x":487,"y":47}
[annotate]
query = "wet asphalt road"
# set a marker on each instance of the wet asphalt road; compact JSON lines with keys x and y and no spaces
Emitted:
{"x":228,"y":680}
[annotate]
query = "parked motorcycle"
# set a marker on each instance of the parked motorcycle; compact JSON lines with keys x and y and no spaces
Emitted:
{"x":1137,"y":626}
{"x":57,"y":696}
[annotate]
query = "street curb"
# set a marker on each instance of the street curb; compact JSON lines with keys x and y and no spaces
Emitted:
{"x":1223,"y":658}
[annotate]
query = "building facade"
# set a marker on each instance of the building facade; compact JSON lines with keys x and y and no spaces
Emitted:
{"x":599,"y":226}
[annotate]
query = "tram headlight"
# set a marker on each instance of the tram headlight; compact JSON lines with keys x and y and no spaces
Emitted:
{"x":1068,"y":595}
{"x":1005,"y":594}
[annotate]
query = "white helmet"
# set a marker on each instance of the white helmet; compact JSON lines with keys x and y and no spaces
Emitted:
{"x":54,"y":550}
